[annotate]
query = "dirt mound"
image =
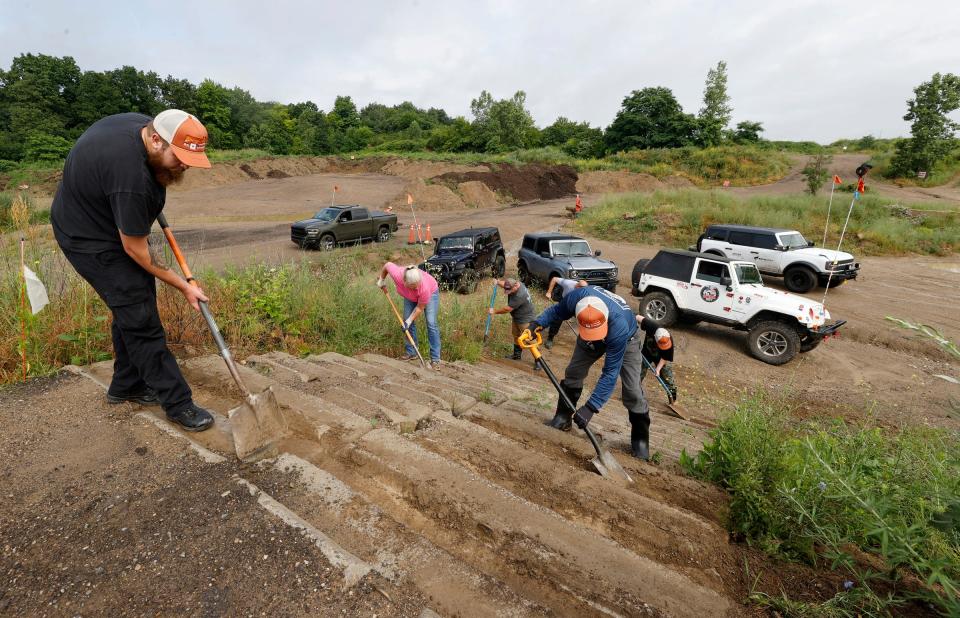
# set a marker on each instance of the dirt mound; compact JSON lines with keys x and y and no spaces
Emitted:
{"x":616,"y":182}
{"x":277,"y":174}
{"x":477,"y":195}
{"x":412,"y":170}
{"x":522,"y":183}
{"x":427,"y":197}
{"x":250,"y":172}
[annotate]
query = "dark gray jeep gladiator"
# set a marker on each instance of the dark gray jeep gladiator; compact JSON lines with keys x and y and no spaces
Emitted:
{"x":341,"y":224}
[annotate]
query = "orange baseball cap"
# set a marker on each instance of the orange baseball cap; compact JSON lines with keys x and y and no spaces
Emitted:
{"x":185,"y":134}
{"x":592,"y":314}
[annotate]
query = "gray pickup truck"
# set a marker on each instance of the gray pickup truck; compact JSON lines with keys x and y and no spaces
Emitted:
{"x":546,"y":255}
{"x":341,"y":224}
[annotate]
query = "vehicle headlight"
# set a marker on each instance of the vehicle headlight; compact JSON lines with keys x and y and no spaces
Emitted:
{"x":572,"y":274}
{"x":614,"y":273}
{"x":312,"y":232}
{"x":831,"y":265}
{"x":459,"y":266}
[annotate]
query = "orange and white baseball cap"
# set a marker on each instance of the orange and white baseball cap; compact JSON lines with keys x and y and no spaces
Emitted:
{"x":185,"y":134}
{"x":592,"y":314}
{"x":662,"y":336}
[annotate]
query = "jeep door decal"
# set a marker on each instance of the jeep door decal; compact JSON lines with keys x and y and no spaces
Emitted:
{"x":709,"y":294}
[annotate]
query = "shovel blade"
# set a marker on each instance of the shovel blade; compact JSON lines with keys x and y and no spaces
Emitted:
{"x":257,"y":424}
{"x":679,"y":410}
{"x":608,"y":467}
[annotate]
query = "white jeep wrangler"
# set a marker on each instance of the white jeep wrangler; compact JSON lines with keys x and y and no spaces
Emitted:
{"x":683,"y":286}
{"x":782,"y":253}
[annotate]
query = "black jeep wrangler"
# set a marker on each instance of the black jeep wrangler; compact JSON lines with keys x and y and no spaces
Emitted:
{"x":461,"y":259}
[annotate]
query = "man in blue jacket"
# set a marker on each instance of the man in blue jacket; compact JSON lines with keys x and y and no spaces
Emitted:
{"x":607,"y":327}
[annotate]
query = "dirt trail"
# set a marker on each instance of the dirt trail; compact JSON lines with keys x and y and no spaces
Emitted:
{"x":453,"y":491}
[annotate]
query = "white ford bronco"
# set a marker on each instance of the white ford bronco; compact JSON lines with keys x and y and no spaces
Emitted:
{"x":782,"y":253}
{"x":683,"y":286}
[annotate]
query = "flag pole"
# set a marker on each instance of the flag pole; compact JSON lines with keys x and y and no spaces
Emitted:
{"x":416,"y":225}
{"x":833,"y":184}
{"x":23,"y":311}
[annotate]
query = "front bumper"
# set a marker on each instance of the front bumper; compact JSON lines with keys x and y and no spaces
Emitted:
{"x":827,"y":329}
{"x":844,"y":272}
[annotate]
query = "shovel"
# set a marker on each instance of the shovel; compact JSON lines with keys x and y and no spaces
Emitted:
{"x":675,"y":407}
{"x":257,"y":423}
{"x":604,"y":463}
{"x":493,"y":299}
{"x":405,"y":331}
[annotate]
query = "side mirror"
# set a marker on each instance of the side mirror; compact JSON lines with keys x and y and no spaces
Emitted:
{"x":809,"y":243}
{"x":597,"y":253}
{"x":726,"y":282}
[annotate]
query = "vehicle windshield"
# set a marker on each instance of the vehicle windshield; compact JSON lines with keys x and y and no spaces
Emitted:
{"x":570,"y":248}
{"x":748,"y":273}
{"x":793,"y":240}
{"x":327,"y":214}
{"x":455,"y":243}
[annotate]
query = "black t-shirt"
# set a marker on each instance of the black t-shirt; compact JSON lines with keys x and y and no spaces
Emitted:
{"x":650,"y":344}
{"x":107,"y":185}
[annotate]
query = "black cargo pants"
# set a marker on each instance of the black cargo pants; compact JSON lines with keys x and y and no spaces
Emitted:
{"x":140,"y":352}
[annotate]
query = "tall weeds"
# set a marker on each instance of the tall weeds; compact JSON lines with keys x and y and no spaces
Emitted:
{"x":882,"y":506}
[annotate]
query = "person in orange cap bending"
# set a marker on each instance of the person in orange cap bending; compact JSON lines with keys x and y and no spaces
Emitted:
{"x":607,"y":329}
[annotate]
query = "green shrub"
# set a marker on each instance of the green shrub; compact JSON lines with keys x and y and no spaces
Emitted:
{"x":836,"y":493}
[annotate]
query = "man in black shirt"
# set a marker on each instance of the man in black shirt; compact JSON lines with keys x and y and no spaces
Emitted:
{"x":520,"y":307}
{"x":658,"y":350}
{"x":114,"y":186}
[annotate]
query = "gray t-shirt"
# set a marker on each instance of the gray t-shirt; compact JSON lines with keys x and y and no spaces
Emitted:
{"x":523,"y":311}
{"x":566,"y":285}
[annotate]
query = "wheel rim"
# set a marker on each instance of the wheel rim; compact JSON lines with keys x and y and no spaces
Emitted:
{"x":327,"y":243}
{"x":656,"y":310}
{"x":772,"y":343}
{"x":384,"y":236}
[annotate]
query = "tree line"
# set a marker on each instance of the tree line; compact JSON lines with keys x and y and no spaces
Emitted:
{"x":46,"y":102}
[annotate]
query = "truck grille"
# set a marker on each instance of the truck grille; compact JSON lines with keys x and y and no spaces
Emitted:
{"x":596,"y":275}
{"x":297,"y":235}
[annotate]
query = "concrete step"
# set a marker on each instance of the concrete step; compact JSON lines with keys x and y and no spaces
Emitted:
{"x":552,"y":559}
{"x":415,"y":375}
{"x":394,"y":550}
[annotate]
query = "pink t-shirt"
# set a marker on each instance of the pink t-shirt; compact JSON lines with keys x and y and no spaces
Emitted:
{"x":421,"y":296}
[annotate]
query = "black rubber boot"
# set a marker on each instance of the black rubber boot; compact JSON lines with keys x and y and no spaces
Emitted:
{"x":548,"y":343}
{"x":148,"y":397}
{"x":517,"y":352}
{"x":640,"y":436}
{"x":562,"y":420}
{"x":191,"y":418}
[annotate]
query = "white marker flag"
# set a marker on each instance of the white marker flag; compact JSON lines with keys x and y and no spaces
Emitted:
{"x":35,"y":291}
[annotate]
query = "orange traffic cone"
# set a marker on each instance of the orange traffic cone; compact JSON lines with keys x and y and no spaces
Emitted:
{"x":429,"y":239}
{"x":410,"y":239}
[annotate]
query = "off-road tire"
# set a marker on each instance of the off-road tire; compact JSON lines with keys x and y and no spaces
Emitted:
{"x":499,"y":267}
{"x":774,"y":342}
{"x":659,"y":307}
{"x":327,"y":243}
{"x":383,"y":234}
{"x":635,"y":276}
{"x":523,"y":274}
{"x":799,"y":279}
{"x":809,"y":342}
{"x":468,"y":282}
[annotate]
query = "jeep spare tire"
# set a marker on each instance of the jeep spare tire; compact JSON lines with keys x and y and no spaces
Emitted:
{"x":773,"y":342}
{"x":659,"y":307}
{"x":799,"y":279}
{"x":635,"y":277}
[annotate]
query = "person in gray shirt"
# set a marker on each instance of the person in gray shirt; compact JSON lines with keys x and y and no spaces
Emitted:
{"x":558,"y":288}
{"x":521,"y":310}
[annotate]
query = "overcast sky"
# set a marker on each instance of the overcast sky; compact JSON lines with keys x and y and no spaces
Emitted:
{"x":806,"y":69}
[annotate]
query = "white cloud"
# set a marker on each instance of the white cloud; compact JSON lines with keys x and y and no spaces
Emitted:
{"x":806,"y":69}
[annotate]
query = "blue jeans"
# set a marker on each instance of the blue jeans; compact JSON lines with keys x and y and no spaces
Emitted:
{"x":433,"y":329}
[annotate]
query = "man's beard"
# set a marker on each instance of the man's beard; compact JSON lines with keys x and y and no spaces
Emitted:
{"x":163,"y":175}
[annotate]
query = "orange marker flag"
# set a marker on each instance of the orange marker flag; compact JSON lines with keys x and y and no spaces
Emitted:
{"x":836,"y":179}
{"x":409,"y":199}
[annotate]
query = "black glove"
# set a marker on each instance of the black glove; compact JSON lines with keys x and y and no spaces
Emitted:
{"x":534,"y":327}
{"x":583,"y":415}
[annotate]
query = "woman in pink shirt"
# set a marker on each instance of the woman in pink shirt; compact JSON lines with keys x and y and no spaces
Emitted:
{"x":421,"y":294}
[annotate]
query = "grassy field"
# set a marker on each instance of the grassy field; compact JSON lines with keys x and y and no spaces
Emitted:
{"x":878,"y":226}
{"x":881,"y":507}
{"x":329,"y":303}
